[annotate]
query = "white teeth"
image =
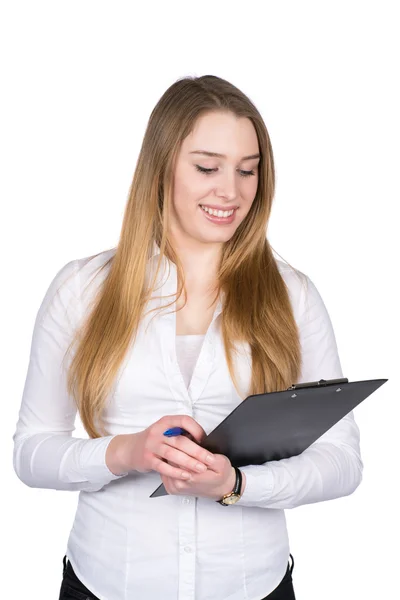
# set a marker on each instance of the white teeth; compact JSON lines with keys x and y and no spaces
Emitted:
{"x":217,"y":213}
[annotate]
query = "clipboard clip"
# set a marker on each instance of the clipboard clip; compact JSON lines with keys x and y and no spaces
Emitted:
{"x":320,"y":383}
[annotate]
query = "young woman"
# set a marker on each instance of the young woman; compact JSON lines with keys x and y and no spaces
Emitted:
{"x":185,"y":318}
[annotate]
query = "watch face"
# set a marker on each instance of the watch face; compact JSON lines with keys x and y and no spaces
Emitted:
{"x":231,"y":499}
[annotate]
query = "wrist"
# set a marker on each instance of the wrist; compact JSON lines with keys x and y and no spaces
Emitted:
{"x":236,"y":490}
{"x":228,"y":485}
{"x":116,"y":454}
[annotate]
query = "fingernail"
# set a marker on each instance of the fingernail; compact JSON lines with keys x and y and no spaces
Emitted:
{"x":210,"y":458}
{"x":185,"y":475}
{"x":200,"y":467}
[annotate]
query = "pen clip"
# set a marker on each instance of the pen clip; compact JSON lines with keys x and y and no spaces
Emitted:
{"x":320,"y":383}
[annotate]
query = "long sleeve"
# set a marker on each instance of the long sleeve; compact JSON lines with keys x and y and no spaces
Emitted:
{"x":45,"y":453}
{"x":331,"y":467}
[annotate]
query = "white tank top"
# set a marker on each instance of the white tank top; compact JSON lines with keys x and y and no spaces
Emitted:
{"x":187,"y":351}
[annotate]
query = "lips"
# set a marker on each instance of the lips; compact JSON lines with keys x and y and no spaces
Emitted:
{"x":216,"y":212}
{"x":219,"y":218}
{"x":220,"y":206}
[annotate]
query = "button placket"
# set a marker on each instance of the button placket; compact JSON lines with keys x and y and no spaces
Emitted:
{"x":203,"y":366}
{"x":167,"y":324}
{"x":187,"y":547}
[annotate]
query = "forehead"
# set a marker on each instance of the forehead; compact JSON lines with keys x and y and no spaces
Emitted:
{"x":222,"y":132}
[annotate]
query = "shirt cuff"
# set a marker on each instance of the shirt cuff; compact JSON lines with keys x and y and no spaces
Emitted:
{"x":259,"y":485}
{"x":84,"y":464}
{"x":92,"y":460}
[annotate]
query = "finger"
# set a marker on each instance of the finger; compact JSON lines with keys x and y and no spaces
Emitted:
{"x":194,"y":428}
{"x":193,"y":450}
{"x":185,"y":422}
{"x":174,"y":486}
{"x":165,"y":469}
{"x":185,"y":461}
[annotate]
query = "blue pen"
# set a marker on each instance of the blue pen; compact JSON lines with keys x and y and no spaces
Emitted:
{"x":175,"y":431}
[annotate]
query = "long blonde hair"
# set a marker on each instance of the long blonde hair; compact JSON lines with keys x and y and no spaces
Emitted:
{"x":256,"y":309}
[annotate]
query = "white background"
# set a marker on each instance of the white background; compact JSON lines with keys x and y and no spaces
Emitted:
{"x":79,"y":80}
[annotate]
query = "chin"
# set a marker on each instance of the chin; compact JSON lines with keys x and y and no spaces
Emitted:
{"x":221,"y":237}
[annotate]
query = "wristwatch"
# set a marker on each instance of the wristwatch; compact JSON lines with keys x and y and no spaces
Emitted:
{"x":235,"y":494}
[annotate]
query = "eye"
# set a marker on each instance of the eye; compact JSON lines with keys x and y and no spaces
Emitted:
{"x":246,"y":173}
{"x":209,"y":171}
{"x":204,"y":170}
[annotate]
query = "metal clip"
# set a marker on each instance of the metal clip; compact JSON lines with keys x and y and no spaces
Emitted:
{"x":320,"y":383}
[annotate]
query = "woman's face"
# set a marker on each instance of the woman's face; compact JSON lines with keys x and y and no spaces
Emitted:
{"x":213,"y":194}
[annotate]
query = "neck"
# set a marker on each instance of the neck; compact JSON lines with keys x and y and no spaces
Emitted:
{"x":200,"y":263}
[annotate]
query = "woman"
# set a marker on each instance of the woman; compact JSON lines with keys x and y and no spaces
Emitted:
{"x":185,"y":318}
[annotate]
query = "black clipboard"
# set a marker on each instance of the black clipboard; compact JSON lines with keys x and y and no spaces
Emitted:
{"x":277,"y":425}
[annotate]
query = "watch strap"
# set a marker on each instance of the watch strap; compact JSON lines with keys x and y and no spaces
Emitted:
{"x":236,"y":488}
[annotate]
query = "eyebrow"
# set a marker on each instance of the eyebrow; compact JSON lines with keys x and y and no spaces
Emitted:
{"x":207,"y":153}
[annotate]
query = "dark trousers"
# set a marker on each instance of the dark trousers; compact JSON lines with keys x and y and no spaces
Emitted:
{"x":73,"y":589}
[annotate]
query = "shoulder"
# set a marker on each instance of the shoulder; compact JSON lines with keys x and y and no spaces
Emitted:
{"x":296,"y":283}
{"x":74,"y":284}
{"x":60,"y":292}
{"x":303,"y":293}
{"x":90,"y":266}
{"x":91,"y":272}
{"x":79,"y":271}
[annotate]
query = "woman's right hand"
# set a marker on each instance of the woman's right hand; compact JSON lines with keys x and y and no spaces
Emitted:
{"x":150,"y":450}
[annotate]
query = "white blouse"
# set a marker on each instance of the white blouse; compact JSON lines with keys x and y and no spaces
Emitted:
{"x":122,"y":543}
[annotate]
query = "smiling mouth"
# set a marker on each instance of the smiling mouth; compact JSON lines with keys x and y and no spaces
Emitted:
{"x":217,"y":213}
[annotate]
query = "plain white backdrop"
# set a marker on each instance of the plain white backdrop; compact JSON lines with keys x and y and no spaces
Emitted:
{"x":79,"y":80}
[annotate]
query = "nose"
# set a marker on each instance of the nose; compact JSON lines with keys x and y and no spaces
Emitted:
{"x":227,"y":186}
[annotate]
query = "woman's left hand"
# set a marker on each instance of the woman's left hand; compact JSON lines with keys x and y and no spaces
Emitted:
{"x":217,"y":480}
